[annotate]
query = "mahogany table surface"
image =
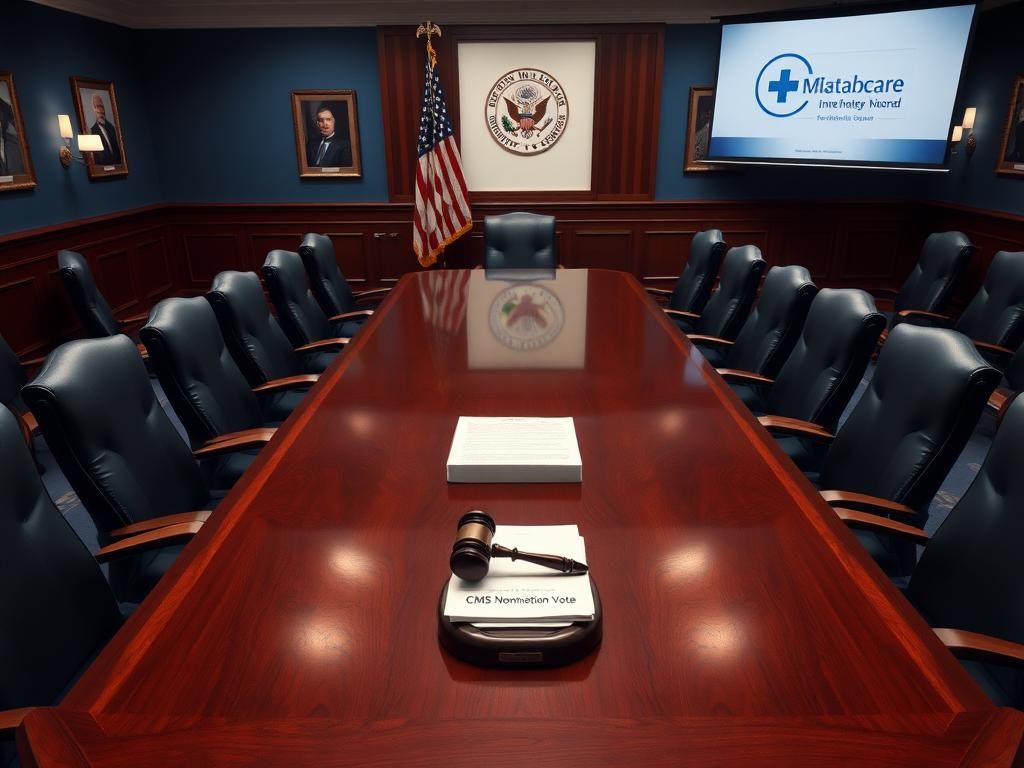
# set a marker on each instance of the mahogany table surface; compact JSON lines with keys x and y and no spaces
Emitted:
{"x":743,"y":624}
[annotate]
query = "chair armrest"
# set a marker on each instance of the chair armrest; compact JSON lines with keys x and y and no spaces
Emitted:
{"x":658,"y":291}
{"x":11,"y":718}
{"x":143,"y":352}
{"x":351,"y":315}
{"x":714,"y":341}
{"x":29,"y":420}
{"x":161,"y":522}
{"x":680,"y":313}
{"x":867,"y":521}
{"x":156,"y":539}
{"x":323,"y":344}
{"x":974,"y":645}
{"x":795,"y":427}
{"x":874,"y":504}
{"x":32,"y":361}
{"x":288,"y":382}
{"x":370,"y":293}
{"x":935,"y":317}
{"x":749,"y":377}
{"x":235,"y":441}
{"x":984,"y":346}
{"x":133,"y":319}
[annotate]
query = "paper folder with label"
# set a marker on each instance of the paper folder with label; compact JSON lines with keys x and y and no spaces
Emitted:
{"x":522,"y":593}
{"x":514,"y":449}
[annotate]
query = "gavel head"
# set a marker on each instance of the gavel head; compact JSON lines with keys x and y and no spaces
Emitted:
{"x":471,"y":552}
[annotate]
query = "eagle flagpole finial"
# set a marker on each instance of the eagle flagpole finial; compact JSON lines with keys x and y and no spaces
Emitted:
{"x":429,"y":29}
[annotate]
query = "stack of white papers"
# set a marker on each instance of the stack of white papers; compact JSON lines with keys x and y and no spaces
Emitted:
{"x":514,"y":449}
{"x":520,"y":593}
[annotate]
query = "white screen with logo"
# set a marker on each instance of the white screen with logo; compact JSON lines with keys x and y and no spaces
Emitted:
{"x":860,"y":90}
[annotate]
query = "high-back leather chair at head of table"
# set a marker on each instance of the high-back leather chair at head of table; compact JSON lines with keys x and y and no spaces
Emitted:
{"x":327,"y":282}
{"x":520,"y":240}
{"x":772,"y":328}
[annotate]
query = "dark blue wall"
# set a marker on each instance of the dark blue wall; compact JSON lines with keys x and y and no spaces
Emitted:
{"x":44,"y":48}
{"x":221,"y":110}
{"x":998,"y":57}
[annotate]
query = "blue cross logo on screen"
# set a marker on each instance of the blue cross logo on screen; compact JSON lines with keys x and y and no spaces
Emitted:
{"x":778,"y":80}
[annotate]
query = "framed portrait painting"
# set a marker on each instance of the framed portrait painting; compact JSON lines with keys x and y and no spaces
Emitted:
{"x":16,"y":170}
{"x":326,"y":134}
{"x":96,"y":105}
{"x":698,"y":131}
{"x":1011,"y":152}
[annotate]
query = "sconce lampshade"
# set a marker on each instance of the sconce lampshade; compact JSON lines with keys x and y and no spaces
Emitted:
{"x":969,"y":114}
{"x":958,"y":133}
{"x":65,"y":126}
{"x":88,"y":142}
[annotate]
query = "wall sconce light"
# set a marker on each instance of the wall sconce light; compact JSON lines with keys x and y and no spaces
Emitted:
{"x":968,"y":125}
{"x":86,"y":142}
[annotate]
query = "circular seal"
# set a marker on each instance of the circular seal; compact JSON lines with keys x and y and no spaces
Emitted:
{"x":526,"y":317}
{"x":526,"y":111}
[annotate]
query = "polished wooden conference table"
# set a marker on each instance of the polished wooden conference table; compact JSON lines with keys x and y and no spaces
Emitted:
{"x":742,"y":623}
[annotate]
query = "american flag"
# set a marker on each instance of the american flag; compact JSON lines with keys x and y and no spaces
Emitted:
{"x":443,"y":296}
{"x":442,"y":202}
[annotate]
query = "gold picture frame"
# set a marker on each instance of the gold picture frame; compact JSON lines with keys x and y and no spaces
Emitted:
{"x":1011,"y":151}
{"x":698,"y":131}
{"x":16,"y":171}
{"x":322,"y":155}
{"x":96,"y":107}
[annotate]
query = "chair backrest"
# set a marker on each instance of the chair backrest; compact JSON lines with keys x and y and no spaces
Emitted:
{"x":519,"y":241}
{"x":692,"y":289}
{"x":330,"y":288}
{"x":252,"y":333}
{"x":942,"y":261}
{"x":115,"y":444}
{"x":57,"y":607}
{"x":92,"y":309}
{"x":297,"y":311}
{"x":199,"y":376}
{"x":828,"y":360}
{"x":996,"y":313}
{"x":970,"y":574}
{"x":775,"y":323}
{"x":12,"y":375}
{"x":924,"y":400}
{"x":728,"y":307}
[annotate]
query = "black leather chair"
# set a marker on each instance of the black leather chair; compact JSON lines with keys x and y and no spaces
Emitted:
{"x":57,"y":608}
{"x":771,"y":329}
{"x":93,"y":311}
{"x":968,"y":581}
{"x":206,"y":388}
{"x":118,"y":449}
{"x":1013,"y":383}
{"x":254,"y":337}
{"x":821,"y":373}
{"x":329,"y":285}
{"x":929,"y":285}
{"x":300,"y":316}
{"x":728,"y":307}
{"x":694,"y":284}
{"x":899,"y":442}
{"x":520,"y":241}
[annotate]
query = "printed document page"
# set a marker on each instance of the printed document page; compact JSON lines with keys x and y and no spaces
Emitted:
{"x":514,"y":449}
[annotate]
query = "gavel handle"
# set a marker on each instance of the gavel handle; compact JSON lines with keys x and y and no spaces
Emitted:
{"x":557,"y":562}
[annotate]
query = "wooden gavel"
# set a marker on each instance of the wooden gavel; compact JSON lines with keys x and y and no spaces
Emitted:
{"x":473,"y":550}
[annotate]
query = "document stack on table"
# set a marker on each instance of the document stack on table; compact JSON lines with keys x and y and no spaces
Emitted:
{"x":514,"y":449}
{"x":521,"y":594}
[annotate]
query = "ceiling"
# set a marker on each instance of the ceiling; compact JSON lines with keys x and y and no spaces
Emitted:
{"x":178,"y":14}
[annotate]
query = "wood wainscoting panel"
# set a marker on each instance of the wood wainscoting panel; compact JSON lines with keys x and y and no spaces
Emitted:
{"x":154,"y":268}
{"x":210,"y":253}
{"x":113,"y":271}
{"x":663,"y":252}
{"x":601,"y":248}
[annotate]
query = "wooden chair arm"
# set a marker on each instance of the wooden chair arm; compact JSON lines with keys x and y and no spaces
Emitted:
{"x":161,"y":522}
{"x":680,"y":313}
{"x":143,"y":352}
{"x":32,"y":362}
{"x":657,"y":291}
{"x":867,"y":521}
{"x":288,"y":382}
{"x":984,"y":346}
{"x":934,"y":316}
{"x":748,"y":377}
{"x":795,"y":427}
{"x":351,"y":315}
{"x":29,"y":419}
{"x":155,"y":539}
{"x":718,"y":341}
{"x":11,"y":718}
{"x":235,"y":441}
{"x":370,"y":293}
{"x":323,"y":344}
{"x":974,"y":645}
{"x":871,"y":503}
